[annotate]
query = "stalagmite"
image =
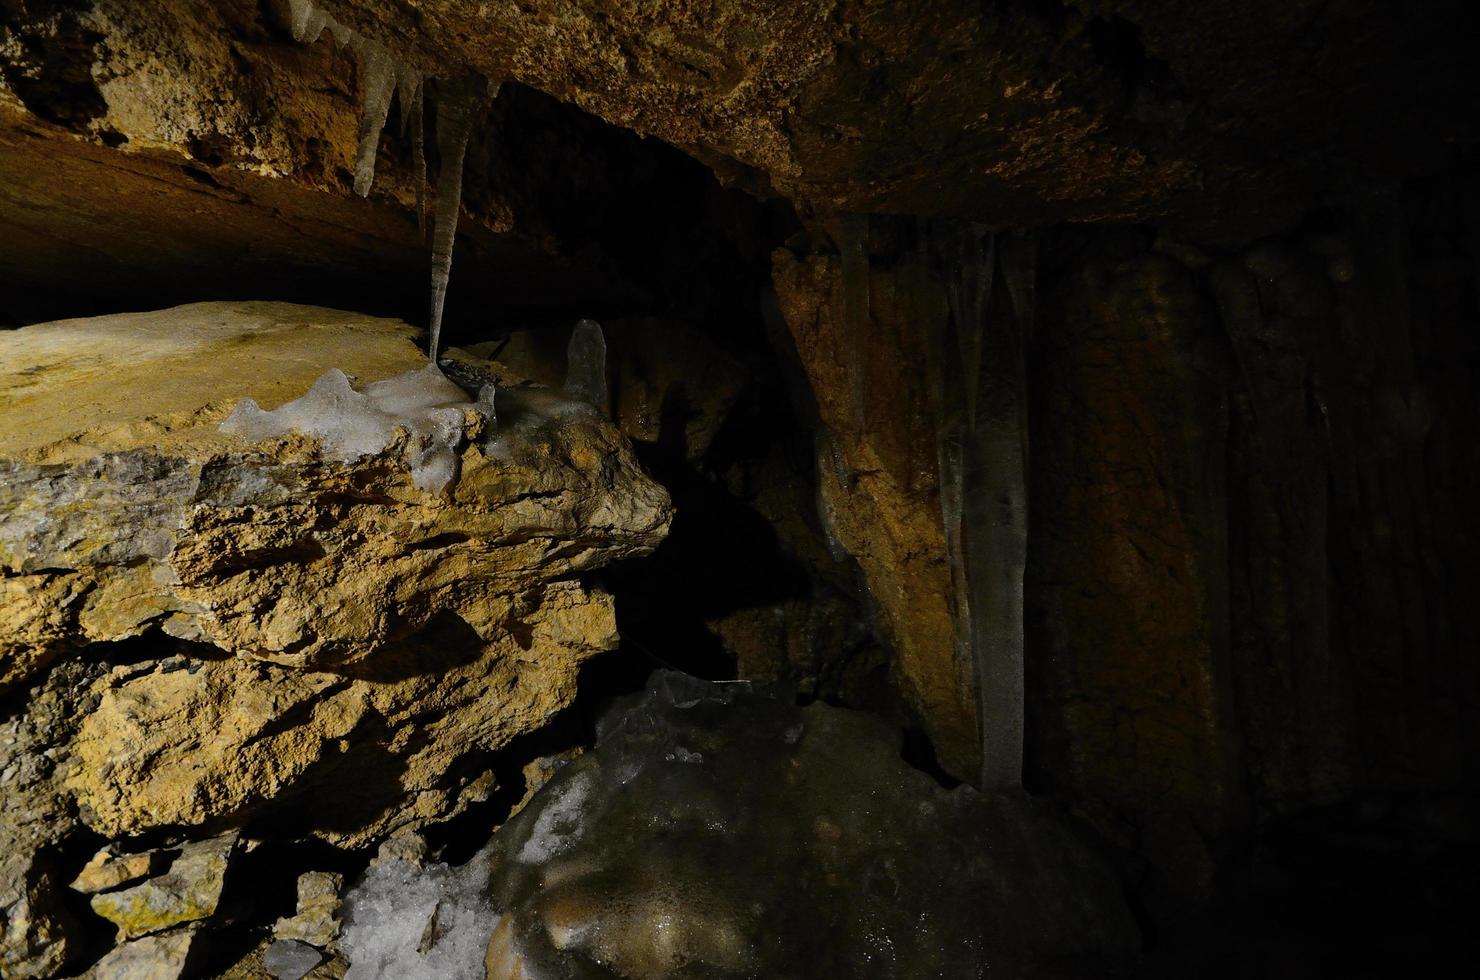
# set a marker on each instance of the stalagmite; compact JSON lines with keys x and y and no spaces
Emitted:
{"x":377,"y":82}
{"x":458,"y":104}
{"x":585,"y":365}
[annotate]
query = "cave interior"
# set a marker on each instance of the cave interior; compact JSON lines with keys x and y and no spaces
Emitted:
{"x":932,"y":489}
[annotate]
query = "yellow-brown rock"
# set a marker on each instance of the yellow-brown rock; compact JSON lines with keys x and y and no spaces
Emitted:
{"x":333,"y":619}
{"x":878,"y":482}
{"x":188,"y":892}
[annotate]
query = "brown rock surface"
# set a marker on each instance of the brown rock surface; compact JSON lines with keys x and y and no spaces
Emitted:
{"x":1128,"y":561}
{"x":878,"y":482}
{"x":1007,"y":113}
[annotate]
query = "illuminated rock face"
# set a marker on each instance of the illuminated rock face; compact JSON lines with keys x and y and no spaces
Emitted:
{"x":307,"y":633}
{"x":719,"y":832}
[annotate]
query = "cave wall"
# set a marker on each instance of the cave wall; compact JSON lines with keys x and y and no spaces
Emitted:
{"x":1248,"y":468}
{"x":1248,"y":471}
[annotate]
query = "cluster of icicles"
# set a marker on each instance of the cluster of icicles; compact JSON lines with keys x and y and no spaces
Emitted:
{"x":458,"y":104}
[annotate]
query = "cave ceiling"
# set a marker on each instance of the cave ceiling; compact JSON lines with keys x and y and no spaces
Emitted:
{"x":1014,"y":112}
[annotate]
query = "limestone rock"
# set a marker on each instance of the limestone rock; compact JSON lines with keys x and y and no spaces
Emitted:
{"x":288,"y":959}
{"x":878,"y":485}
{"x":109,"y":870}
{"x":341,"y":641}
{"x":187,"y":892}
{"x":161,"y":956}
{"x":315,"y":922}
{"x":36,"y":931}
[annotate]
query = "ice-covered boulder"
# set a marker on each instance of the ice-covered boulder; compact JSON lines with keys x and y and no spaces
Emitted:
{"x":717,"y":831}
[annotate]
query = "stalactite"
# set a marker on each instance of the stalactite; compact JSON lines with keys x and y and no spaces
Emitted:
{"x":458,"y":104}
{"x":307,"y":21}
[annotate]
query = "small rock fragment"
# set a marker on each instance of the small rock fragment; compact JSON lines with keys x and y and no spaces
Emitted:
{"x":187,"y":892}
{"x":108,"y":870}
{"x":164,"y":956}
{"x":316,"y":922}
{"x":288,"y":959}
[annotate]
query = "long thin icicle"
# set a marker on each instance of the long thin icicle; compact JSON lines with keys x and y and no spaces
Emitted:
{"x":977,"y":362}
{"x":996,"y":521}
{"x":377,"y":82}
{"x":458,"y":104}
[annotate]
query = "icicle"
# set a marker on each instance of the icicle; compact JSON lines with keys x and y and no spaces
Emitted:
{"x":585,"y":365}
{"x":377,"y":80}
{"x":995,"y":519}
{"x":411,"y":91}
{"x":855,"y":328}
{"x":343,"y":36}
{"x":977,"y":372}
{"x":457,"y":108}
{"x":1019,"y":258}
{"x":947,"y":329}
{"x":308,"y":22}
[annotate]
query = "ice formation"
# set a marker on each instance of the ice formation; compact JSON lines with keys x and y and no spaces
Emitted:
{"x":718,"y":830}
{"x":585,"y":365}
{"x":411,"y":92}
{"x":378,"y":80}
{"x":418,"y":923}
{"x":351,"y":425}
{"x":458,"y":103}
{"x":977,"y":374}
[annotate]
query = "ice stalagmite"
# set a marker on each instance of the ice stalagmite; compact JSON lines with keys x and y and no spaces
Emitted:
{"x":377,"y":82}
{"x":585,"y":365}
{"x":458,"y":104}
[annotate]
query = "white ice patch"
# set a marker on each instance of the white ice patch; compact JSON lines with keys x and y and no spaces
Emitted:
{"x":411,"y":923}
{"x":351,"y":425}
{"x":559,"y":823}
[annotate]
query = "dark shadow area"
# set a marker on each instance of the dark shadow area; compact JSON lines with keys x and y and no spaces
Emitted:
{"x":446,"y":641}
